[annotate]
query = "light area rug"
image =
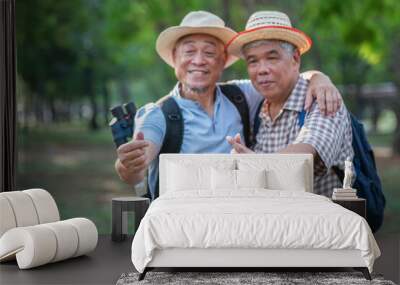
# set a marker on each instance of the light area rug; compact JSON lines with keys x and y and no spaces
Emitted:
{"x":232,"y":278}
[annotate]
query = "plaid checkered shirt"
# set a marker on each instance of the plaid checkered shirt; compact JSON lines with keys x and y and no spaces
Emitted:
{"x":331,"y":137}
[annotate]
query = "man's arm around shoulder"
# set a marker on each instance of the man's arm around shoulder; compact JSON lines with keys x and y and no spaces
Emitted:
{"x":300,"y":148}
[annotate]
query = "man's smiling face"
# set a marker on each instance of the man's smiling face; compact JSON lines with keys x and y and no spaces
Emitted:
{"x":199,"y":61}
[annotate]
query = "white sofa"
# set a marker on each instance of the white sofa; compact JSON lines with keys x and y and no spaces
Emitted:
{"x":31,"y":231}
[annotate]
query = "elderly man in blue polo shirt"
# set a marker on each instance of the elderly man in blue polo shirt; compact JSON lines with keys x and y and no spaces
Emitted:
{"x":272,"y":48}
{"x":196,"y":51}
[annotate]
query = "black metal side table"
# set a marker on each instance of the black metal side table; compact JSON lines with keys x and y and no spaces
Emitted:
{"x":120,"y":208}
{"x":356,"y":205}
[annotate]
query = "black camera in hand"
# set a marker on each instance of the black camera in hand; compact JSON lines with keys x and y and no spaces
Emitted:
{"x":123,"y":122}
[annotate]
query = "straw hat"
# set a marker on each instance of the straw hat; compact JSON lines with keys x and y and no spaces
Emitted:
{"x":198,"y":22}
{"x":265,"y":25}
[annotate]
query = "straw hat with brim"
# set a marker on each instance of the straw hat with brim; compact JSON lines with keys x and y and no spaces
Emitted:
{"x":269,"y":25}
{"x":199,"y":22}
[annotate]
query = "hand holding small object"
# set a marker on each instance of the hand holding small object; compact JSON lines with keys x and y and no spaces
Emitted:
{"x":237,"y":145}
{"x":132,"y":155}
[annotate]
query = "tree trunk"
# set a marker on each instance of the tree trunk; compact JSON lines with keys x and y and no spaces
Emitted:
{"x":226,"y":15}
{"x":93,"y":124}
{"x":360,"y":106}
{"x":53,"y":110}
{"x":376,"y":112}
{"x":354,"y":72}
{"x":124,"y":91}
{"x":38,"y":108}
{"x":27,"y":110}
{"x":396,"y":137}
{"x":106,"y":102}
{"x":68,"y":111}
{"x":395,"y":69}
{"x":250,"y":6}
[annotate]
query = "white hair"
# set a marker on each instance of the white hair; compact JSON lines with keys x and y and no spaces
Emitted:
{"x":286,"y":46}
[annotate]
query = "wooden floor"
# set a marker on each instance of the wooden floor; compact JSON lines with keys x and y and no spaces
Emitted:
{"x":111,"y":259}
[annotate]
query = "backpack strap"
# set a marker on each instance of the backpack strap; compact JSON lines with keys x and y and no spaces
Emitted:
{"x":302,"y":117}
{"x":236,"y":96}
{"x":174,"y":125}
{"x":257,"y":121}
{"x":173,"y":137}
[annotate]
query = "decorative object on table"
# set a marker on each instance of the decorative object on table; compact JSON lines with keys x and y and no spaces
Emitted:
{"x":123,"y":123}
{"x":348,"y":174}
{"x":120,"y":208}
{"x":347,"y":192}
{"x":31,"y":231}
{"x":243,"y":278}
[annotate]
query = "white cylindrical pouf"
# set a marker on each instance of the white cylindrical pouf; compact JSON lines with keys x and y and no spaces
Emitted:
{"x":87,"y":234}
{"x":23,"y":208}
{"x":45,"y":205}
{"x":34,"y":246}
{"x":7,"y":218}
{"x":67,"y":239}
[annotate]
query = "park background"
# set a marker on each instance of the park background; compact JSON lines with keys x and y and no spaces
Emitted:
{"x":77,"y":58}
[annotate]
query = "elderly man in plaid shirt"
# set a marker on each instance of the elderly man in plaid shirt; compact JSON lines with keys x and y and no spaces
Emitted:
{"x":272,"y":51}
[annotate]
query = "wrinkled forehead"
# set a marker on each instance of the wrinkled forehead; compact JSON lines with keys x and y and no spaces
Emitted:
{"x":199,"y":38}
{"x":267,"y":45}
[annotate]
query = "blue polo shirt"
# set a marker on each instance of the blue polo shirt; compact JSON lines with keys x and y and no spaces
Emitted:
{"x":202,"y":133}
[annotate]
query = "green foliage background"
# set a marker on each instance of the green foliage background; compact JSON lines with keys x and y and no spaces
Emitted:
{"x":60,"y":43}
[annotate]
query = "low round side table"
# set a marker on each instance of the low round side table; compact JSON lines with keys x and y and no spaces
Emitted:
{"x":120,"y":208}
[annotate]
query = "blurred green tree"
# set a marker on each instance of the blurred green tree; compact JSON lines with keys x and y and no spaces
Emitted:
{"x":96,"y":53}
{"x":355,"y":42}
